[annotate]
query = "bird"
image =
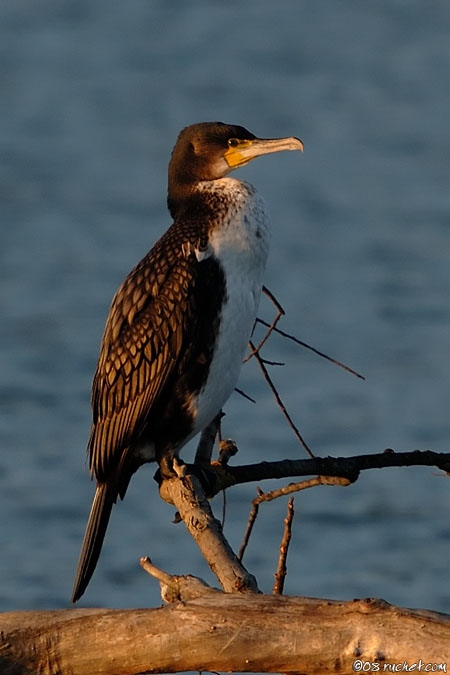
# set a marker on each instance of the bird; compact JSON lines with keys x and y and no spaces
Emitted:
{"x":179,"y":324}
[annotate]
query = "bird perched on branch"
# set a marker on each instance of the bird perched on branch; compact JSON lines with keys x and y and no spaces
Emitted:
{"x":179,"y":324}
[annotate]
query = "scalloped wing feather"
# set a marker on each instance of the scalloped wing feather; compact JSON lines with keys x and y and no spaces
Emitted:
{"x":145,"y":339}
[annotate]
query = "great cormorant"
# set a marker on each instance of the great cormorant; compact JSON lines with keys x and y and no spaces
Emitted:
{"x":179,"y":324}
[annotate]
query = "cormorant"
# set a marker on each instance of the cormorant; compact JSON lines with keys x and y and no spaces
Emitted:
{"x":179,"y":324}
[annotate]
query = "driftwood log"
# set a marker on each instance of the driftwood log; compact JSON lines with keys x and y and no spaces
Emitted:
{"x":224,"y":632}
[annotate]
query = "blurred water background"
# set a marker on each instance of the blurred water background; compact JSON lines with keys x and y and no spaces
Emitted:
{"x":93,"y":96}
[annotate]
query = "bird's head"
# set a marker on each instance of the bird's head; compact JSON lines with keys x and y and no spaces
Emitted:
{"x":210,"y":150}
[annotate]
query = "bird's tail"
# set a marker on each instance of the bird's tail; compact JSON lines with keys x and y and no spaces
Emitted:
{"x":93,"y":538}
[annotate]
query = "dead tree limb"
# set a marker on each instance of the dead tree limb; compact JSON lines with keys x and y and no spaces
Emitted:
{"x":186,"y":493}
{"x":222,"y":632}
{"x":189,"y":492}
{"x":218,"y":478}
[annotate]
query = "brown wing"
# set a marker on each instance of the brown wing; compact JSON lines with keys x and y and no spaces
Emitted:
{"x":145,"y":337}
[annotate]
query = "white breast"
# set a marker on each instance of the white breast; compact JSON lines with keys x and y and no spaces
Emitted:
{"x":241,"y":245}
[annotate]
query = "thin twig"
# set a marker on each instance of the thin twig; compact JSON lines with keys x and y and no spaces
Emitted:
{"x":274,"y":494}
{"x":280,"y":313}
{"x":302,"y":485}
{"x":281,"y":572}
{"x":242,"y":393}
{"x":250,"y":523}
{"x":279,"y":401}
{"x":273,"y":299}
{"x":272,"y":363}
{"x":312,"y":349}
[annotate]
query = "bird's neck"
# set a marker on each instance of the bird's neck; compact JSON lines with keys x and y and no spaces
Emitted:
{"x":204,"y":199}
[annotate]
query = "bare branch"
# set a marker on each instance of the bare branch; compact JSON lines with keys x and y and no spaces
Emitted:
{"x":303,"y":485}
{"x":187,"y":494}
{"x":282,"y":492}
{"x":242,"y":393}
{"x":250,"y":523}
{"x":273,"y":299}
{"x":312,"y":349}
{"x":279,"y":314}
{"x":281,"y":572}
{"x":348,"y":468}
{"x":279,"y":401}
{"x":272,"y":363}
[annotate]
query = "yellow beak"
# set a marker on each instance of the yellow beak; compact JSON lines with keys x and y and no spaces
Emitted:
{"x":246,"y":150}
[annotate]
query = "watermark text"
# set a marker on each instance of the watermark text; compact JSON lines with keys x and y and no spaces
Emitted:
{"x":361,"y":666}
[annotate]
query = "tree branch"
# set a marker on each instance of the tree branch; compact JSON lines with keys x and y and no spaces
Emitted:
{"x":187,"y":494}
{"x":218,"y":478}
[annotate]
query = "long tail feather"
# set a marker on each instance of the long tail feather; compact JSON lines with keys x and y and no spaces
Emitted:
{"x":93,"y":539}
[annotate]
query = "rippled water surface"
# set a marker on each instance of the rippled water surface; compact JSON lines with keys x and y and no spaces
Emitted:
{"x":95,"y":94}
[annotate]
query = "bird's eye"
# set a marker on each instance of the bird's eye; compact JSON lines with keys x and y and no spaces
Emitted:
{"x":233,"y":142}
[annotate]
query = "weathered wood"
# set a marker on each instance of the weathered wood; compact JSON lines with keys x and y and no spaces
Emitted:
{"x":345,"y":467}
{"x":224,"y":632}
{"x":187,"y":494}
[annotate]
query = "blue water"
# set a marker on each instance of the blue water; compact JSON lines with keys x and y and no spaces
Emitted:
{"x":95,"y":95}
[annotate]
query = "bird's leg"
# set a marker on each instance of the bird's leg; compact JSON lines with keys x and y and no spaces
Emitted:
{"x":166,"y":462}
{"x":207,"y":440}
{"x":205,"y":470}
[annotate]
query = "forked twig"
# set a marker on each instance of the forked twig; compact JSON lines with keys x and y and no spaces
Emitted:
{"x":281,"y":492}
{"x":279,"y":401}
{"x":271,"y":327}
{"x":281,"y":572}
{"x":255,"y":351}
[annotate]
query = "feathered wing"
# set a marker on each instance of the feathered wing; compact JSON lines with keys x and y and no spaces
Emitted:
{"x":146,"y":337}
